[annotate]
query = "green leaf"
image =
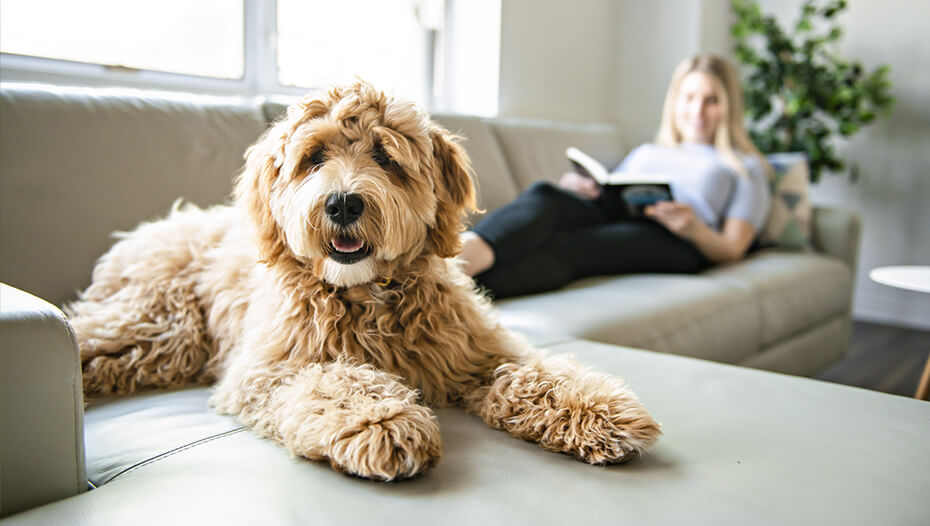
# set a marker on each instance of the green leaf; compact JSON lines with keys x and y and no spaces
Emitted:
{"x":845,"y":94}
{"x":803,"y":25}
{"x":808,"y":8}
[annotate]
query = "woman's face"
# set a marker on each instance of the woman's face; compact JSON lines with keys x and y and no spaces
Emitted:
{"x":697,"y":108}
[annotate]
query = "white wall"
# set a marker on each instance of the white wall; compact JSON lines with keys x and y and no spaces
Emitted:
{"x":648,"y":51}
{"x":606,"y":60}
{"x":557,"y":59}
{"x":654,"y":37}
{"x":611,"y":60}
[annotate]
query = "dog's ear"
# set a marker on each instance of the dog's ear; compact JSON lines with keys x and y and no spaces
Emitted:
{"x":253,"y":192}
{"x":454,"y":189}
{"x":263,"y":162}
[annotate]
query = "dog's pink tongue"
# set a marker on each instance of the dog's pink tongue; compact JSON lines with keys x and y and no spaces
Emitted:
{"x":347,"y":244}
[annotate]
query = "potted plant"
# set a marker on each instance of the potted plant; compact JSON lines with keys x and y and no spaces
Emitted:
{"x":800,"y":93}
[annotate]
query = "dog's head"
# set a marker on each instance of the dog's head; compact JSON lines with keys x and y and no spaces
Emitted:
{"x":354,"y":185}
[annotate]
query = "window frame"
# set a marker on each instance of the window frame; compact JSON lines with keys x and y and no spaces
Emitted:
{"x":260,"y":75}
{"x":259,"y":72}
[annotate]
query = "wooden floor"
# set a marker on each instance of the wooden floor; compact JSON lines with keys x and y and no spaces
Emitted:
{"x":882,"y":358}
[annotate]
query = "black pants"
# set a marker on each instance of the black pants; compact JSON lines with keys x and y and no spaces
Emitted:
{"x":548,"y":237}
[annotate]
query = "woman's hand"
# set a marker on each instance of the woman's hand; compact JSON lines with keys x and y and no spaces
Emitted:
{"x":727,"y":245}
{"x":580,"y":185}
{"x":678,"y":218}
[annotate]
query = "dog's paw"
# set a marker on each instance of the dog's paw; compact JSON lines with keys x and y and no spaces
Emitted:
{"x":567,"y":408}
{"x":399,"y":447}
{"x":601,"y":435}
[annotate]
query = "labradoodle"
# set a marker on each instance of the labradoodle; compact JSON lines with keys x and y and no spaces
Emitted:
{"x":326,"y":304}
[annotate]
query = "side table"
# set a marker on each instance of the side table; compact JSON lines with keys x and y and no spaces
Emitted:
{"x":908,"y":277}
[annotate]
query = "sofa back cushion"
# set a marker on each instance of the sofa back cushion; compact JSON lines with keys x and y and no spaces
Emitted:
{"x":535,"y":150}
{"x":78,"y":164}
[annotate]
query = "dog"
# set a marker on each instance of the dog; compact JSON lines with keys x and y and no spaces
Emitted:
{"x":326,"y":304}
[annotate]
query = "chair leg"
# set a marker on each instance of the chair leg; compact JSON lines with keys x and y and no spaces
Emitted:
{"x":923,"y":388}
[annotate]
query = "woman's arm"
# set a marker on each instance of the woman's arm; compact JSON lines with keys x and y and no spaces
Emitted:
{"x":730,"y":244}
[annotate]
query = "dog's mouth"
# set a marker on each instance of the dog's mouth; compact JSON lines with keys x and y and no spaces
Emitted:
{"x":348,"y":250}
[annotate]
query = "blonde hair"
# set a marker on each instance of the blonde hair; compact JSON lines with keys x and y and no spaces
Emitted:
{"x":731,"y":135}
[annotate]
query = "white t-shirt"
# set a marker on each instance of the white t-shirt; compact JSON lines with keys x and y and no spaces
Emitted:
{"x":701,"y":179}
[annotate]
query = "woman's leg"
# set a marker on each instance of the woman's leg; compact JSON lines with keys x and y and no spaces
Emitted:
{"x":615,"y":248}
{"x":538,"y":271}
{"x":477,"y":255}
{"x":523,"y":226}
{"x":626,"y":247}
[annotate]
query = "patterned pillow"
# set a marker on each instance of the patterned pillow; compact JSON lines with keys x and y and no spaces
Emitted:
{"x":789,"y":221}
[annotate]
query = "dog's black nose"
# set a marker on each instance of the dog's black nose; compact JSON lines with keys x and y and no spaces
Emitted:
{"x":344,"y":209}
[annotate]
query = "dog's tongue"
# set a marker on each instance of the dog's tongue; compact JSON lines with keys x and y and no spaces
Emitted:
{"x":347,"y":244}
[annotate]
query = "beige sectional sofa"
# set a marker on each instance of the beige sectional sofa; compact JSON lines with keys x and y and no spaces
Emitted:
{"x":79,"y":164}
{"x":741,"y":445}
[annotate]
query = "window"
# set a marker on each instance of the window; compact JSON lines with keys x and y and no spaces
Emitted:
{"x":191,"y":37}
{"x":441,"y":53}
{"x":321,"y":42}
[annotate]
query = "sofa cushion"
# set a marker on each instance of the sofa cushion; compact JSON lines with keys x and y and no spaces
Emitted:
{"x":790,"y":217}
{"x":496,"y":185}
{"x":740,"y":447}
{"x":273,"y":109}
{"x":807,"y":352}
{"x":691,"y":315}
{"x":728,"y":313}
{"x":793,"y":290}
{"x":126,"y":435}
{"x":79,"y":163}
{"x":535,"y":150}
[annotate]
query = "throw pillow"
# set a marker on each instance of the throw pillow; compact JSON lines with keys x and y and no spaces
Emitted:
{"x":789,"y":221}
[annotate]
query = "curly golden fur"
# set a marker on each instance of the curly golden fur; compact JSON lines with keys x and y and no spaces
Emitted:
{"x":326,"y":306}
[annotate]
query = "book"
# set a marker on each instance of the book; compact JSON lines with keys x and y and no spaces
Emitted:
{"x":634,"y":191}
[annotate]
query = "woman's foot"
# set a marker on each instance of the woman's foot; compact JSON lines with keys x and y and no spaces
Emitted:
{"x":477,"y":255}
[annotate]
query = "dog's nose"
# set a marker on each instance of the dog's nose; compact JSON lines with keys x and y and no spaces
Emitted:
{"x":344,"y":209}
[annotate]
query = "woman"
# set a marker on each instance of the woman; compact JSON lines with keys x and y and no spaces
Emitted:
{"x":551,"y":235}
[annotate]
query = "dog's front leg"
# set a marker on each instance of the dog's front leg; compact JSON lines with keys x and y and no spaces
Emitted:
{"x":556,"y":402}
{"x":364,"y":421}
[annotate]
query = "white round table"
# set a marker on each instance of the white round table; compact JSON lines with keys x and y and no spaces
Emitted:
{"x":909,"y":277}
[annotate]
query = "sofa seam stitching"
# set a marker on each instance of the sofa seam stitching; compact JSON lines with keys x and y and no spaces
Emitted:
{"x":173,"y":452}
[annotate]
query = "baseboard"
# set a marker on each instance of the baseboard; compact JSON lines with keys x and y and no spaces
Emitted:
{"x":878,"y":309}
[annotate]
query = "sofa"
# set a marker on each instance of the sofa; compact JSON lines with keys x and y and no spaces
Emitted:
{"x":741,"y":445}
{"x":79,"y":164}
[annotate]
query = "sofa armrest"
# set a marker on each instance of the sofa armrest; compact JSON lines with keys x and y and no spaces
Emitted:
{"x":41,"y":404}
{"x":836,"y":232}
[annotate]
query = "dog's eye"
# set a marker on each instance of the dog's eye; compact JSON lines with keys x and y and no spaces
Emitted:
{"x":381,"y":157}
{"x":313,"y":160}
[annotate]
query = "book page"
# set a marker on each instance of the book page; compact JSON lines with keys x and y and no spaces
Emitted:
{"x":587,"y":165}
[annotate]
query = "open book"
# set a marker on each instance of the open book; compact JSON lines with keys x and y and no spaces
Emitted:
{"x":635,"y":191}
